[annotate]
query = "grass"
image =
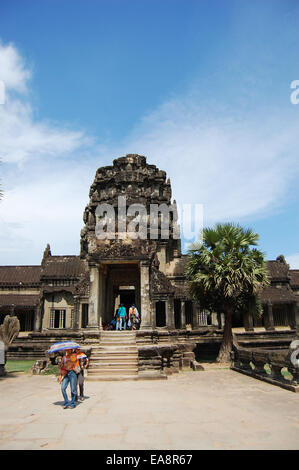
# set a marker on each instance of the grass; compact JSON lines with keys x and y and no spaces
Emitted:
{"x":19,"y":366}
{"x":25,"y":366}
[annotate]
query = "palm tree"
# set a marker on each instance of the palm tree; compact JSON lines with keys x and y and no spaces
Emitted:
{"x":225,"y":273}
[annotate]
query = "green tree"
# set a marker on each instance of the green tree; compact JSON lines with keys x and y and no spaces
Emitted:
{"x":225,"y":273}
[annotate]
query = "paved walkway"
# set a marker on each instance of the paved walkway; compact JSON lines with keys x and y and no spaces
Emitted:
{"x":214,"y":409}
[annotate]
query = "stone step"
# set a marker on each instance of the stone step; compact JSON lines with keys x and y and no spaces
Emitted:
{"x":113,"y":358}
{"x":118,"y":332}
{"x":115,"y":365}
{"x":113,"y":371}
{"x":107,"y":378}
{"x":117,"y":343}
{"x":119,"y":336}
{"x":116,"y":348}
{"x":122,"y":377}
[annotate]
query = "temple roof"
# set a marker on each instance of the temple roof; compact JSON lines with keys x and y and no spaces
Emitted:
{"x":277,"y":295}
{"x":63,"y":267}
{"x":17,"y":275}
{"x":19,"y":300}
{"x":278,"y":270}
{"x":294,"y":273}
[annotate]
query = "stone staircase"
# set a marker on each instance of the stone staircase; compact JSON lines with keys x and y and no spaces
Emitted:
{"x":114,"y":358}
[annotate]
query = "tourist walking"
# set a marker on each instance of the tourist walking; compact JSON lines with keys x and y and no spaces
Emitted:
{"x":68,"y":376}
{"x":82,"y":363}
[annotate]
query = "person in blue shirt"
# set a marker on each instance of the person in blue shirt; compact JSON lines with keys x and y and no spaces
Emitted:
{"x":122,"y":315}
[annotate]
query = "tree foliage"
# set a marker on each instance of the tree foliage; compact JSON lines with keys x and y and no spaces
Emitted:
{"x":225,"y":273}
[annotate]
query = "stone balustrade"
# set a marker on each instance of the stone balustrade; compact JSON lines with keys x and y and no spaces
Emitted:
{"x":277,"y":367}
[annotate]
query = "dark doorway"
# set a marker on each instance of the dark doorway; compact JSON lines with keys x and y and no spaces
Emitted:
{"x":127,"y":298}
{"x":177,"y":314}
{"x":160,"y":314}
{"x":84,"y":321}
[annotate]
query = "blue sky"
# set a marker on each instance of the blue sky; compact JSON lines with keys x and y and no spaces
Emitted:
{"x":202,"y":88}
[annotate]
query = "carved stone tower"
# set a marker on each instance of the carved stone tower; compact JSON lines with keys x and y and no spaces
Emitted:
{"x":129,"y":266}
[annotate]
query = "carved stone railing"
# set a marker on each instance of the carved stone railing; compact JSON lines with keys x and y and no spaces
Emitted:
{"x":278,"y":367}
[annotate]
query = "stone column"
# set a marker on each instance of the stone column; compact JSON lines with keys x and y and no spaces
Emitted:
{"x":292,"y":311}
{"x":170,"y":313}
{"x":76,"y":319}
{"x":214,"y":319}
{"x":37,"y":319}
{"x":104,"y":315}
{"x":248,"y":322}
{"x":195,"y":310}
{"x":93,"y":309}
{"x":183,"y":314}
{"x":154,"y":316}
{"x":146,"y":321}
{"x":269,"y":321}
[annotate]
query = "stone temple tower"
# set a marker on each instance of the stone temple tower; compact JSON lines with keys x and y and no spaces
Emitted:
{"x":132,"y":259}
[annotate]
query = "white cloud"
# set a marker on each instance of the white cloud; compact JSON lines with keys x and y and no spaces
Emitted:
{"x":21,"y":136}
{"x":42,"y":201}
{"x":293,"y":261}
{"x":13,"y":71}
{"x":236,"y":166}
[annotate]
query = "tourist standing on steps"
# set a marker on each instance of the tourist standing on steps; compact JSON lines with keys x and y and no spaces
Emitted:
{"x":122,"y":313}
{"x":117,"y":317}
{"x":68,"y":376}
{"x":133,"y":317}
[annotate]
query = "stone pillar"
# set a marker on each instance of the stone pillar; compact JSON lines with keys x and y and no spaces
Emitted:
{"x":214,"y":319}
{"x":248,"y":322}
{"x":170,"y":313}
{"x":154,"y":314}
{"x":269,"y":321}
{"x":37,"y":319}
{"x":292,"y":313}
{"x":104,"y":316}
{"x":183,"y":314}
{"x":76,"y":319}
{"x":195,"y":311}
{"x":146,"y":321}
{"x":93,"y":309}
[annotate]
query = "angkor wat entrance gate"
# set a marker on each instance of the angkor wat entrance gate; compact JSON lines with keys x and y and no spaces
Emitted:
{"x":118,"y":284}
{"x":132,"y":257}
